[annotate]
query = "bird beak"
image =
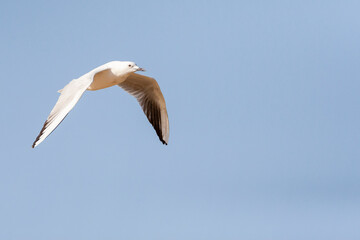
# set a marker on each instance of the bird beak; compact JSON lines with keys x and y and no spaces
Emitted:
{"x":137,"y":68}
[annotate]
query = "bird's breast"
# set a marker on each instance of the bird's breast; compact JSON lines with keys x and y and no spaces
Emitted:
{"x":105,"y":79}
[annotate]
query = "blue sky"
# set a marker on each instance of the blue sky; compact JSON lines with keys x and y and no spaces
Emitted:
{"x":263,"y":101}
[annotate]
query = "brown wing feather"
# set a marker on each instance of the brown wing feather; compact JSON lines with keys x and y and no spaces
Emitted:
{"x":147,"y":91}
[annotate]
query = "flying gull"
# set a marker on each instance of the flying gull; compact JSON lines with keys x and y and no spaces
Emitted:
{"x":145,"y":89}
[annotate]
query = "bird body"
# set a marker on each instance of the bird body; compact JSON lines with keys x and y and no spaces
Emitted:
{"x":121,"y":73}
{"x":113,"y":74}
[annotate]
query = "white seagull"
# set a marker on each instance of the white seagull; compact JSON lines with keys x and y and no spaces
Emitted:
{"x":145,"y":89}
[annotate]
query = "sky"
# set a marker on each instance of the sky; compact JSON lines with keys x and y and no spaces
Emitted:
{"x":262,"y":98}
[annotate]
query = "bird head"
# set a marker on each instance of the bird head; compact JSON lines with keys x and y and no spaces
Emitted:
{"x":132,"y":67}
{"x":120,"y":68}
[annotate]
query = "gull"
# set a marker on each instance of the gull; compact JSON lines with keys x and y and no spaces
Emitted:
{"x":122,"y":73}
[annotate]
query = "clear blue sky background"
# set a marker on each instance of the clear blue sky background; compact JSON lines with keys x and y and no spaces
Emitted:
{"x":263,"y":101}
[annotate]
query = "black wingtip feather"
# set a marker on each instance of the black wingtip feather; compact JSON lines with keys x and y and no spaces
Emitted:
{"x":41,"y":132}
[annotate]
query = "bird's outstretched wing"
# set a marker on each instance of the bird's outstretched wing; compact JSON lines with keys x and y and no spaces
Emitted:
{"x":70,"y":95}
{"x":147,"y":91}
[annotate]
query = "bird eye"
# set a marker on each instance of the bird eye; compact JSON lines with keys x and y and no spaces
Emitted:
{"x":129,"y":65}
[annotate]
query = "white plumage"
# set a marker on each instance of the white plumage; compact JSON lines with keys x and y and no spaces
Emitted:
{"x":144,"y":89}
